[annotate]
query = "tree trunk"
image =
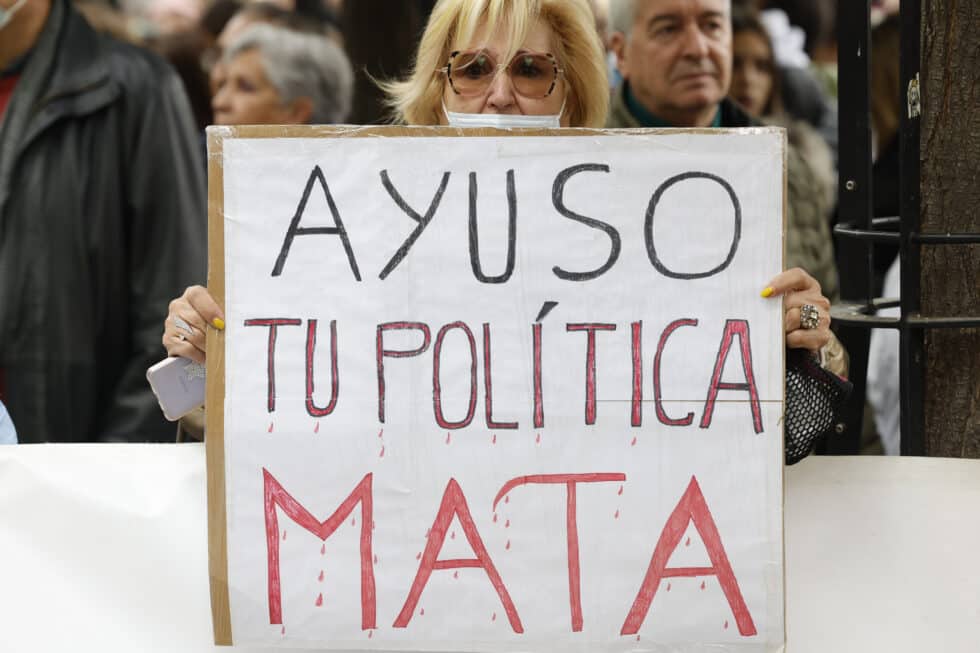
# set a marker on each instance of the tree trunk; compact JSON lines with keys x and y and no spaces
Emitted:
{"x":950,"y":183}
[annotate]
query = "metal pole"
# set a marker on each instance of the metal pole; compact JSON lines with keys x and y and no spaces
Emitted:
{"x":912,"y":347}
{"x":855,"y":256}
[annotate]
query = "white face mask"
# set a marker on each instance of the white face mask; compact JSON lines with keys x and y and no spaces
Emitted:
{"x":6,"y":15}
{"x":502,"y":120}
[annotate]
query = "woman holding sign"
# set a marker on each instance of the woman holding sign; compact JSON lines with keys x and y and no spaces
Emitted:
{"x":540,"y":64}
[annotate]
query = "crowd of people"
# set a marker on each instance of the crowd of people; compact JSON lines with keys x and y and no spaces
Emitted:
{"x":102,"y":172}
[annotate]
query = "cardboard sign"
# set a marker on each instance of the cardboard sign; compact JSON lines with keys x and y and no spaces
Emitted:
{"x":496,"y":392}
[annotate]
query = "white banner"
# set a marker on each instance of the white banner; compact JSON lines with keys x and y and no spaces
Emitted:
{"x":504,"y":394}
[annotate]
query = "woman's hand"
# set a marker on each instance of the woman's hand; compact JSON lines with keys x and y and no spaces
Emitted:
{"x":799,"y":289}
{"x":186,"y":323}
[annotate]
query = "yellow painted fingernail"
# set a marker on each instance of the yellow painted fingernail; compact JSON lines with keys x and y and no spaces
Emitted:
{"x":768,"y":291}
{"x":218,"y":323}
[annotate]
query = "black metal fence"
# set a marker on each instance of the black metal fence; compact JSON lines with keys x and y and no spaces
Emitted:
{"x":858,"y":231}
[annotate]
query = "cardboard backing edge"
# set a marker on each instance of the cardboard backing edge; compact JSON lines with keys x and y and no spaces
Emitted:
{"x":784,"y":147}
{"x":400,"y":131}
{"x":214,"y":442}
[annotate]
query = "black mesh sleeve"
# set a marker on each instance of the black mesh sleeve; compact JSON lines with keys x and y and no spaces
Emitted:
{"x":814,"y":398}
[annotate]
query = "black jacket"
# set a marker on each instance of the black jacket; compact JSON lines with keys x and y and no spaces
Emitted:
{"x":102,"y":222}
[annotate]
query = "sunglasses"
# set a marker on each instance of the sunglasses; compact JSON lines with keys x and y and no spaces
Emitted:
{"x":471,"y":72}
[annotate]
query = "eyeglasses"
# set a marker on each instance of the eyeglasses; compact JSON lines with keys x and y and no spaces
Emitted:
{"x":533,"y":74}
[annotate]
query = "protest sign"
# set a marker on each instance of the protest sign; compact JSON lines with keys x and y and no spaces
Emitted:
{"x":496,"y":392}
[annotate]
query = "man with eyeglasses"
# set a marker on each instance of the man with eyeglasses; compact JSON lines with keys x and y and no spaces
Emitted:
{"x":675,"y":57}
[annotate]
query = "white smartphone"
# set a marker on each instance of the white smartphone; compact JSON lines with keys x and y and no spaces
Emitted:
{"x":178,"y":384}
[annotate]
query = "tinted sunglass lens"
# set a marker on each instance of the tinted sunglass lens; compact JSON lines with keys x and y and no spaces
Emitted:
{"x":533,"y":75}
{"x":472,"y":71}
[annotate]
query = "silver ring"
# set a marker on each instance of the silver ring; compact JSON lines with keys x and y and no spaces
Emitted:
{"x":809,"y":317}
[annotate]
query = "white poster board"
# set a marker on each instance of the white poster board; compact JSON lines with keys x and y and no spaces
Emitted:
{"x":500,"y":393}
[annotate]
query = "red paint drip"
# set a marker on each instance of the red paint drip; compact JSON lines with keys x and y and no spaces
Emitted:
{"x":283,"y":631}
{"x":633,"y":443}
{"x":702,"y":584}
{"x":382,"y":454}
{"x":688,"y":542}
{"x":616,"y":516}
{"x":452,"y":535}
{"x":507,"y":524}
{"x":449,"y":437}
{"x":726,"y":624}
{"x":381,"y":433}
{"x":418,"y":556}
{"x":620,"y":493}
{"x":319,"y":599}
{"x":422,"y":612}
{"x":494,"y":617}
{"x":538,"y":439}
{"x":456,"y":574}
{"x":637,"y":638}
{"x":493,"y":440}
{"x":668,"y":587}
{"x":370,"y":634}
{"x":353,"y":521}
{"x":323,"y":549}
{"x":270,"y":427}
{"x":320,"y":577}
{"x":284,"y":536}
{"x":375,"y":558}
{"x":507,"y":546}
{"x":316,"y":427}
{"x":507,"y":499}
{"x":494,"y":518}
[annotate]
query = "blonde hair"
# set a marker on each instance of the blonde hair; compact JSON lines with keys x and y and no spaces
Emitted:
{"x":417,"y":100}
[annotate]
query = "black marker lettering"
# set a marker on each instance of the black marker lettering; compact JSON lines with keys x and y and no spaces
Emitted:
{"x":558,"y":199}
{"x":295,"y":230}
{"x":652,"y":209}
{"x":511,"y":232}
{"x":423,"y":220}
